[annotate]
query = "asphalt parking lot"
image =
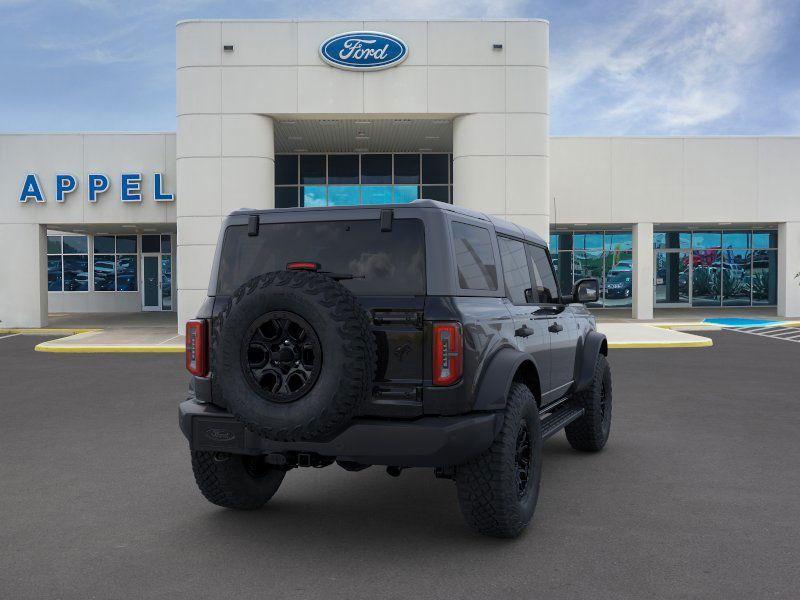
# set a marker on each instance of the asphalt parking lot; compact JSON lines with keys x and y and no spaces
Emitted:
{"x":696,"y":495}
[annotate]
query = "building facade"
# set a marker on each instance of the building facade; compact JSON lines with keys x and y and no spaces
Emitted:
{"x":287,"y":113}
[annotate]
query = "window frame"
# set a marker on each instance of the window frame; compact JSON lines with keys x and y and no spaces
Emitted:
{"x":298,"y":187}
{"x":527,"y":262}
{"x":560,"y":302}
{"x":499,"y":291}
{"x":62,"y":254}
{"x":116,"y":255}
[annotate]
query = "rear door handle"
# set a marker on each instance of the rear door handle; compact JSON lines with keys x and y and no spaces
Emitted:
{"x":555,"y":328}
{"x":524,"y":331}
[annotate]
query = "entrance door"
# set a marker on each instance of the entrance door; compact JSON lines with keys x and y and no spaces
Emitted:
{"x":151,"y":276}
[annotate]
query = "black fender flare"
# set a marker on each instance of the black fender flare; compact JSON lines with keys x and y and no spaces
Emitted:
{"x":594,"y":345}
{"x":495,"y":383}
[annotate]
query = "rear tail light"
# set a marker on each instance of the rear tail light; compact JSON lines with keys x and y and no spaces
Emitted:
{"x":197,"y":347}
{"x":448,"y":353}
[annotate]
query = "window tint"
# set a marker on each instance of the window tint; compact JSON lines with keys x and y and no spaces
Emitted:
{"x":151,"y":243}
{"x":286,"y":169}
{"x":384,"y":263}
{"x":376,"y":168}
{"x":474,"y":257}
{"x":312,"y":168}
{"x":343,"y":168}
{"x":545,"y":282}
{"x":515,"y":270}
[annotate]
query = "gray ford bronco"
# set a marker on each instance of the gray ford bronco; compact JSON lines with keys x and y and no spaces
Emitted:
{"x":413,"y":335}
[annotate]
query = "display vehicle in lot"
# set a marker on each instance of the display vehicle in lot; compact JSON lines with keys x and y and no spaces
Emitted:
{"x":415,"y":335}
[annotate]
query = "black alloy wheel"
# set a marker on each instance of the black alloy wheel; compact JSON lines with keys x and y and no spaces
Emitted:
{"x":282,"y":356}
{"x":523,"y":460}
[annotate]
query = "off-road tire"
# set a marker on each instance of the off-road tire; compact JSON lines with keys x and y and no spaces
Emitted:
{"x":487,"y":487}
{"x":235,"y":481}
{"x":347,"y":345}
{"x":590,"y":432}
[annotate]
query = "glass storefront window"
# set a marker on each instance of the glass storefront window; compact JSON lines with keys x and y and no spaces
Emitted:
{"x":312,"y":168}
{"x":562,"y":261}
{"x":736,"y":239}
{"x":67,"y":263}
{"x":166,"y":244}
{"x":126,"y":274}
{"x":406,"y":168}
{"x":435,"y":192}
{"x":75,"y":244}
{"x":588,"y":241}
{"x":618,"y":282}
{"x":76,"y":273}
{"x":343,"y":169}
{"x":320,"y":176}
{"x":286,"y":169}
{"x":405,"y":193}
{"x":672,"y":278}
{"x":54,"y":244}
{"x":285,"y":197}
{"x":104,"y":273}
{"x":314,"y":195}
{"x":376,"y":194}
{"x":434,"y":168}
{"x":726,"y":277}
{"x":54,"y":273}
{"x":151,"y":243}
{"x":126,"y":244}
{"x":104,"y":244}
{"x":765,"y":277}
{"x":376,"y":168}
{"x":706,"y":240}
{"x":618,"y":241}
{"x":343,"y":195}
{"x":765,"y":239}
{"x":706,"y":277}
{"x":672,"y":239}
{"x":736,"y":277}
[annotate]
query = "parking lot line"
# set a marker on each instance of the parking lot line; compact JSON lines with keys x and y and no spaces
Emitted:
{"x":2,"y":337}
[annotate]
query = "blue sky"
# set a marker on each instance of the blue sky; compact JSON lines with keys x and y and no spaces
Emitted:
{"x":617,"y":68}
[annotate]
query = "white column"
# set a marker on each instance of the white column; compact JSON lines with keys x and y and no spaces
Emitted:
{"x":642,"y":271}
{"x":23,"y":269}
{"x":500,"y":167}
{"x":788,"y":267}
{"x":225,"y":162}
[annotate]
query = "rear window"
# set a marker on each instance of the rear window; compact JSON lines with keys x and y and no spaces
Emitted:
{"x":388,"y":263}
{"x":474,"y":257}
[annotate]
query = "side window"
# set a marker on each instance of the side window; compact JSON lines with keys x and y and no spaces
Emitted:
{"x":515,"y":270}
{"x":474,"y":257}
{"x":543,"y":273}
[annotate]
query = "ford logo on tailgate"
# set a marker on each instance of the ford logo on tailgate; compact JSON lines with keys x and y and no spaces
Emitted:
{"x":363,"y":50}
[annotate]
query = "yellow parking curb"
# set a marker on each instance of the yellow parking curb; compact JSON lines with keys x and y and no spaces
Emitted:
{"x":46,"y":331}
{"x":99,"y":349}
{"x":704,"y":343}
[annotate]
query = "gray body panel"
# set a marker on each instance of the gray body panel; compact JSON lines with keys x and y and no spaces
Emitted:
{"x":552,"y":360}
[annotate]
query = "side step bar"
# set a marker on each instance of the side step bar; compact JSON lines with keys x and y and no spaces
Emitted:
{"x":558,"y":419}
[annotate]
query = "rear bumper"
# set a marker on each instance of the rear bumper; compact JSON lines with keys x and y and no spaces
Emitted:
{"x":424,"y":442}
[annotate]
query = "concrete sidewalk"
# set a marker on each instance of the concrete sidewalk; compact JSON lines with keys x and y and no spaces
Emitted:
{"x":643,"y":335}
{"x":157,"y":333}
{"x":109,"y":332}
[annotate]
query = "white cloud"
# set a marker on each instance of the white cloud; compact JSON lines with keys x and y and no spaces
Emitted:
{"x":669,"y":69}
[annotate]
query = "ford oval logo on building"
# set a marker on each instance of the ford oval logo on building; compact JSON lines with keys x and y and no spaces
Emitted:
{"x":363,"y":50}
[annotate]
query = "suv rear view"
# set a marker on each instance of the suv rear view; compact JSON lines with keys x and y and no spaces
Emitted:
{"x":386,"y":336}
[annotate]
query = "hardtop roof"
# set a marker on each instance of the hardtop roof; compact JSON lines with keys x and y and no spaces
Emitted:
{"x":500,"y":225}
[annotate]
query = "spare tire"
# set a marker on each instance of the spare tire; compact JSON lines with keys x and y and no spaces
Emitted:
{"x":294,"y":355}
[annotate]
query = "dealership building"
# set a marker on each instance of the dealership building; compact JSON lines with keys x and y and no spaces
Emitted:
{"x":275,"y":114}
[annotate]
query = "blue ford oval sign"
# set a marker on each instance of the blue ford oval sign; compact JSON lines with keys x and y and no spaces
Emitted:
{"x":363,"y":50}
